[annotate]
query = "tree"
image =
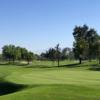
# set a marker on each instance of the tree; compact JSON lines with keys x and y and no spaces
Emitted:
{"x":80,"y":44}
{"x":65,"y":53}
{"x":29,"y":57}
{"x":24,"y":52}
{"x":58,"y":53}
{"x":18,"y":53}
{"x":6,"y":53}
{"x":91,"y":38}
{"x":86,"y":42}
{"x":12,"y":53}
{"x":1,"y":58}
{"x":97,"y":49}
{"x":9,"y":52}
{"x":50,"y":54}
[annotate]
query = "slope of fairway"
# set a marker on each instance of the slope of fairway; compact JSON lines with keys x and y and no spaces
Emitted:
{"x":29,"y":83}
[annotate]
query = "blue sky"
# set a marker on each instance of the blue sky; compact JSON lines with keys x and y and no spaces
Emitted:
{"x":40,"y":24}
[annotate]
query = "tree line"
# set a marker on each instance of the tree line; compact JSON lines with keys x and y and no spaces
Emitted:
{"x":86,"y":46}
{"x":53,"y":53}
{"x":13,"y":53}
{"x":58,"y":54}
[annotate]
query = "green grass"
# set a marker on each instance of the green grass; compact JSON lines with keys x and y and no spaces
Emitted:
{"x":44,"y":81}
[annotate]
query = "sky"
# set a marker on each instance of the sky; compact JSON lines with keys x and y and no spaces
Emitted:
{"x":40,"y":24}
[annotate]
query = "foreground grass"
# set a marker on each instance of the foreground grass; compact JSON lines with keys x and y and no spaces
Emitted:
{"x":43,"y":81}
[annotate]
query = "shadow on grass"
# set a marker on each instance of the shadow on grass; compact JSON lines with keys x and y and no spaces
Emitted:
{"x":4,"y":64}
{"x":38,"y":66}
{"x":26,"y":65}
{"x":71,"y":65}
{"x":8,"y":87}
{"x":53,"y":66}
{"x":95,"y":67}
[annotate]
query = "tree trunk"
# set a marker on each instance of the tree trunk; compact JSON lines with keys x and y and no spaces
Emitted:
{"x":13,"y":60}
{"x":80,"y":61}
{"x":58,"y":62}
{"x":28,"y":62}
{"x":89,"y":53}
{"x":9,"y":60}
{"x":99,"y":60}
{"x":89,"y":57}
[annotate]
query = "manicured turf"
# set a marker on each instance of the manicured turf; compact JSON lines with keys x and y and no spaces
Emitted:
{"x":43,"y":81}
